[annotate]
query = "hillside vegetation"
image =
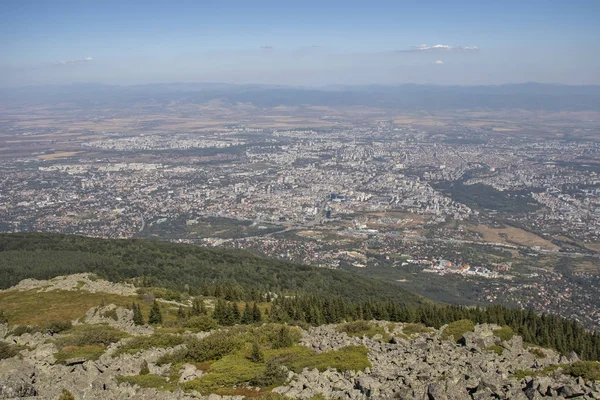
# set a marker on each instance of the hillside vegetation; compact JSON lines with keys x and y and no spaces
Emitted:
{"x":180,"y":267}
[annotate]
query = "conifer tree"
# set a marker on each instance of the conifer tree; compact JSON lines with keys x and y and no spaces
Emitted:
{"x":257,"y":354}
{"x":256,"y":314}
{"x":155,"y":316}
{"x":235,"y":313}
{"x":138,"y":318}
{"x":180,"y":313}
{"x":247,"y":315}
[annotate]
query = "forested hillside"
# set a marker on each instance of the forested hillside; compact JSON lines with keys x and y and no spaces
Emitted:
{"x":180,"y":267}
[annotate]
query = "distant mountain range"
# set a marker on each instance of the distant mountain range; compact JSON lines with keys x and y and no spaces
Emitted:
{"x":412,"y":97}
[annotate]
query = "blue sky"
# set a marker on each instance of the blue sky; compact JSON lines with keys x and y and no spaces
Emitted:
{"x":307,"y":42}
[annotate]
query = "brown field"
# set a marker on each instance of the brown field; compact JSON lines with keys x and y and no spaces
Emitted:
{"x":593,"y":246}
{"x":513,"y":236}
{"x":55,"y":156}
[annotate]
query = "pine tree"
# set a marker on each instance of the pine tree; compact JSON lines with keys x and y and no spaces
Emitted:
{"x":235,"y":313}
{"x":180,"y":313}
{"x":155,"y":316}
{"x":257,"y":354}
{"x":145,"y":370}
{"x":247,"y":315}
{"x":138,"y":318}
{"x":256,"y":314}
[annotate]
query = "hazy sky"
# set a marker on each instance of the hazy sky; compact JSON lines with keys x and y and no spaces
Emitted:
{"x":300,"y":42}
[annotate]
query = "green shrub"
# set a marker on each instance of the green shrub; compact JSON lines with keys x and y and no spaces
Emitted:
{"x":231,"y":370}
{"x":212,"y":347}
{"x":298,"y":357}
{"x":66,"y":395}
{"x":156,"y":340}
{"x":83,"y":335}
{"x":496,"y":349}
{"x":271,"y":335}
{"x":536,"y":351}
{"x":173,"y":357}
{"x":585,"y":369}
{"x":457,"y":329}
{"x":23,"y":329}
{"x":284,"y":338}
{"x":8,"y":350}
{"x":524,"y":373}
{"x":59,"y":326}
{"x":112,"y":314}
{"x":355,"y":328}
{"x":505,"y":333}
{"x":274,"y":373}
{"x":363,"y":328}
{"x":144,"y":370}
{"x":415,"y":329}
{"x":201,"y":323}
{"x":3,"y":318}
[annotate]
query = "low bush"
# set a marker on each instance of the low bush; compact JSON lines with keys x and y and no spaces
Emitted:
{"x":112,"y":314}
{"x":83,"y":335}
{"x":23,"y":329}
{"x":505,"y":333}
{"x":201,"y":323}
{"x":496,"y":349}
{"x":585,"y":369}
{"x":148,"y":381}
{"x":8,"y":350}
{"x":157,"y":340}
{"x":536,"y":351}
{"x":59,"y":326}
{"x":66,"y":395}
{"x":296,"y":358}
{"x":363,"y":328}
{"x":415,"y":329}
{"x":457,"y":329}
{"x":89,"y":352}
{"x":231,"y":370}
{"x":212,"y":347}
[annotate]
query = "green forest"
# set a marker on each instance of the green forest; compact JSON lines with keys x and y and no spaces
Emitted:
{"x":180,"y":267}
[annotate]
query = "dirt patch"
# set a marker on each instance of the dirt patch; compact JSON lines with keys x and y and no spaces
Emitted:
{"x":513,"y":236}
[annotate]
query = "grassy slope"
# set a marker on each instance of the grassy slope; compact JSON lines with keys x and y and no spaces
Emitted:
{"x":42,"y":256}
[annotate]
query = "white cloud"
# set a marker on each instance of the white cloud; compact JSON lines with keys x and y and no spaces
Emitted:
{"x":81,"y":60}
{"x":440,"y":48}
{"x":266,"y":47}
{"x":439,"y":62}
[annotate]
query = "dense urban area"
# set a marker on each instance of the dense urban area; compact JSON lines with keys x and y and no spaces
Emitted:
{"x":460,"y":213}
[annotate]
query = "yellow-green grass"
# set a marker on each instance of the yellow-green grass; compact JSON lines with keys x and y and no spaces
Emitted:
{"x":90,"y":352}
{"x":298,"y":357}
{"x":156,"y":340}
{"x":416,"y":329}
{"x":457,"y":329}
{"x":364,"y":328}
{"x":33,"y":308}
{"x":149,"y":381}
{"x":236,"y":369}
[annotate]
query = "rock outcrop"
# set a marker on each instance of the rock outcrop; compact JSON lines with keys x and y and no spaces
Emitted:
{"x":421,"y":366}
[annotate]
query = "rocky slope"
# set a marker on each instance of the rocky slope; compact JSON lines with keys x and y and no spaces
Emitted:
{"x":406,"y":364}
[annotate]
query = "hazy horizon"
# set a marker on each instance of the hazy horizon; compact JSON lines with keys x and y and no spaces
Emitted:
{"x":301,"y":44}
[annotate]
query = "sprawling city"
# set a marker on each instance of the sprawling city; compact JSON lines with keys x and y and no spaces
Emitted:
{"x":465,"y":207}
